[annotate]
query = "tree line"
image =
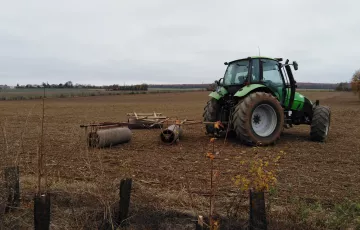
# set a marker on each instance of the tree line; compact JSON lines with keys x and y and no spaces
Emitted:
{"x":69,"y":85}
{"x":343,"y":86}
{"x":142,"y":87}
{"x":65,"y":85}
{"x":354,"y":86}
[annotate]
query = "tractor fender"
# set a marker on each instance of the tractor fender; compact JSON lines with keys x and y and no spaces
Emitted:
{"x":247,"y":89}
{"x":219,"y":93}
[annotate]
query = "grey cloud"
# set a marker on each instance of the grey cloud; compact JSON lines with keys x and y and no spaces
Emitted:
{"x":167,"y":41}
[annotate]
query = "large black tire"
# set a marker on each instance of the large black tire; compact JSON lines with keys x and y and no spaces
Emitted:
{"x":211,"y":114}
{"x":320,"y":123}
{"x":243,"y":119}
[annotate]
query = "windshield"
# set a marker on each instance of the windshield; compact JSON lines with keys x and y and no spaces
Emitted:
{"x":236,"y":73}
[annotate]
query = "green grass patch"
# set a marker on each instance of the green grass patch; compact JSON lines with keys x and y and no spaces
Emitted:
{"x":344,"y":215}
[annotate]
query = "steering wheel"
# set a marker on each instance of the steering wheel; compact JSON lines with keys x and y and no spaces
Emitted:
{"x":242,"y":78}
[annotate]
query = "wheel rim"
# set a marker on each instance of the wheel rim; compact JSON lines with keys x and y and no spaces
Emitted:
{"x":264,"y":120}
{"x":326,"y":129}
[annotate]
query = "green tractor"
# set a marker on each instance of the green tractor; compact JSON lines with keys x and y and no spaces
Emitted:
{"x":256,"y":99}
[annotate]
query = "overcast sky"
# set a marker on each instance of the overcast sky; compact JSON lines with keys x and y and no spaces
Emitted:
{"x":168,"y":41}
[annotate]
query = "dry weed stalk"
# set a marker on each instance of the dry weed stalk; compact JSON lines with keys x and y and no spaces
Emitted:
{"x":214,"y":222}
{"x":100,"y":190}
{"x":16,"y":157}
{"x":41,"y":155}
{"x":22,"y":149}
{"x":6,"y":146}
{"x":188,"y":186}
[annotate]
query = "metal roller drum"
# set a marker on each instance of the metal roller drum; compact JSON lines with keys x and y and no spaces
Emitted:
{"x":109,"y":137}
{"x":171,"y":134}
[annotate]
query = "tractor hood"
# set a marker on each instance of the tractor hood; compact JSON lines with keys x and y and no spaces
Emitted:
{"x":299,"y":101}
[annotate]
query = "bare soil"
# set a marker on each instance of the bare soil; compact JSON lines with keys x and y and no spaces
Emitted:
{"x":84,"y":181}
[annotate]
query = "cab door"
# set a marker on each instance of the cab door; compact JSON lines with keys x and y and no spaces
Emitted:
{"x":273,"y":79}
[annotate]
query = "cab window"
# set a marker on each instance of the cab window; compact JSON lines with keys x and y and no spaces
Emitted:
{"x":236,"y":73}
{"x":271,"y":72}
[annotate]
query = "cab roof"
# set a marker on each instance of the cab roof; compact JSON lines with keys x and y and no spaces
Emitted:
{"x":257,"y":57}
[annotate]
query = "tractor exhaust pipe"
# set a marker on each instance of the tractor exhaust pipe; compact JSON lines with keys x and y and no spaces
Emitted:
{"x":171,"y":134}
{"x":292,"y":84}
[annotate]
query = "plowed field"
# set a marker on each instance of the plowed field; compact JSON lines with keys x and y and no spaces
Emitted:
{"x":83,"y":181}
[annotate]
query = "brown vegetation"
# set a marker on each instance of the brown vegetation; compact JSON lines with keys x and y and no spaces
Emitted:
{"x":314,"y":180}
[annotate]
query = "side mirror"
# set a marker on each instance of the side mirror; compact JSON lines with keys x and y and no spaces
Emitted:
{"x":296,"y":66}
{"x":218,"y":82}
{"x":226,"y":63}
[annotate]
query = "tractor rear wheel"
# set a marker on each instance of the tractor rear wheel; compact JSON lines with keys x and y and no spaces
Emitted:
{"x":210,"y":114}
{"x":258,"y":119}
{"x":320,"y":123}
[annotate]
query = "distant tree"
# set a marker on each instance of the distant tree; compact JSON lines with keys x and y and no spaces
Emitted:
{"x":355,"y":83}
{"x":68,"y":84}
{"x":45,"y":85}
{"x":144,"y":87}
{"x":342,"y":86}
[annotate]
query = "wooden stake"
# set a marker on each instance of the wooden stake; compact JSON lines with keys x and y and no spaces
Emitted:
{"x":257,"y":211}
{"x":125,"y":193}
{"x":42,"y":211}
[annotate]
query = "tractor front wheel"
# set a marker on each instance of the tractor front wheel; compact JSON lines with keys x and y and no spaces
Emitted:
{"x":258,"y":119}
{"x":320,"y":123}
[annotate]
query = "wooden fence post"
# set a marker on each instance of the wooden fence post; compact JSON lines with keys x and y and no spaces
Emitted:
{"x":200,"y":223}
{"x":257,"y":211}
{"x":42,"y":211}
{"x":125,"y":193}
{"x":12,"y":187}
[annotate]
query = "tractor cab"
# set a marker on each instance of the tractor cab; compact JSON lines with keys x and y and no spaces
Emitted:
{"x":268,"y":72}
